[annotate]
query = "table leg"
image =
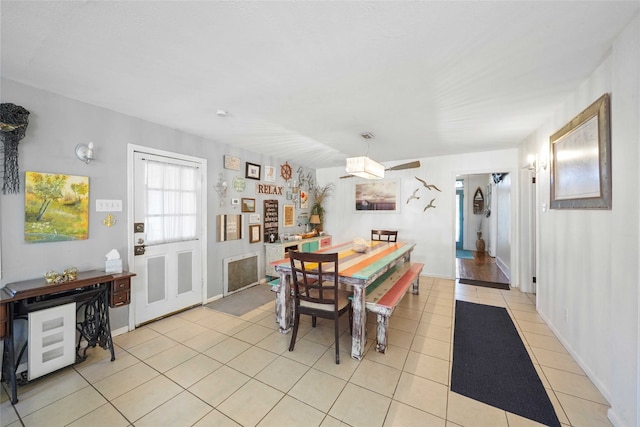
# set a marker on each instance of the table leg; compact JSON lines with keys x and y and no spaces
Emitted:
{"x":9,"y":356}
{"x":283,"y":303}
{"x":359,"y":333}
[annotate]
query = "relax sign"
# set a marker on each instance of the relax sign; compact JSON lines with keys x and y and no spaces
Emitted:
{"x":269,"y":189}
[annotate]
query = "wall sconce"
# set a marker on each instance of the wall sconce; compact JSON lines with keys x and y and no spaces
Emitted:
{"x":221,"y":188}
{"x":85,"y":152}
{"x":533,"y":163}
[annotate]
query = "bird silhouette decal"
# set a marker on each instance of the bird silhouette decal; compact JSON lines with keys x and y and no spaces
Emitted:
{"x":428,"y":186}
{"x":430,"y":205}
{"x":413,"y":196}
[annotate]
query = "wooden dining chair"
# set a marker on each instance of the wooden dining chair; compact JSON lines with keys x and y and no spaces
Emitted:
{"x":384,"y":235}
{"x":316,"y":292}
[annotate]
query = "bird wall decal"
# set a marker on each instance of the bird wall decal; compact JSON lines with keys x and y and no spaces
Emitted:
{"x":413,"y":196}
{"x":430,"y":205}
{"x":428,"y":186}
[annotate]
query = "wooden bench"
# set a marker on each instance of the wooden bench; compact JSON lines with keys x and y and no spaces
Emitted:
{"x":385,"y":293}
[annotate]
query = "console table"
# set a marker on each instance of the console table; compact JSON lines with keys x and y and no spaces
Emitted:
{"x":92,"y":291}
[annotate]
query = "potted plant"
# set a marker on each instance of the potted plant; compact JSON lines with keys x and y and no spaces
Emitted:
{"x":319,"y":196}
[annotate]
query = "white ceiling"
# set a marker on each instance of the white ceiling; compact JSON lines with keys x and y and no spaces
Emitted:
{"x":302,"y":80}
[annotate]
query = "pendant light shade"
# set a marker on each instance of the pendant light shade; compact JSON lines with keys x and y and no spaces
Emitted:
{"x":364,"y":167}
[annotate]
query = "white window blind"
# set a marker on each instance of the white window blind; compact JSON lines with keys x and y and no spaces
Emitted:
{"x":171,"y":202}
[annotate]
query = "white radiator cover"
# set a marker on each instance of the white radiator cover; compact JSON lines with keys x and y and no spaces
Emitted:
{"x":240,"y":272}
{"x":52,"y":334}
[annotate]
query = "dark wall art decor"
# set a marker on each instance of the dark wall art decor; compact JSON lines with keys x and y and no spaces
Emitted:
{"x":13,"y":127}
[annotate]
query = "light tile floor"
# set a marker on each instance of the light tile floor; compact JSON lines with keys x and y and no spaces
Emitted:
{"x":206,"y":368}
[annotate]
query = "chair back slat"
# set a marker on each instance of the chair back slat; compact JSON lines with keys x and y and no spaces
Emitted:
{"x":384,"y":235}
{"x":314,"y":277}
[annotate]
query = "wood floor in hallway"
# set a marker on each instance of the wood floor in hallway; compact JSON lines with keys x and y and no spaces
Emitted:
{"x":482,"y":268}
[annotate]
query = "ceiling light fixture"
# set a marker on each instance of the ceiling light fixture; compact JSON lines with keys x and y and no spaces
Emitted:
{"x":364,"y":167}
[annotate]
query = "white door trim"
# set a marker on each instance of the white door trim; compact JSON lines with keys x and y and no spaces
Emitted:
{"x":131,"y":149}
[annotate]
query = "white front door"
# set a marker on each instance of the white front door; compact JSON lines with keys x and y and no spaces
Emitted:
{"x":168,"y":235}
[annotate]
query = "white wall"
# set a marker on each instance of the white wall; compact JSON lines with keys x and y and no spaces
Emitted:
{"x":588,"y":274}
{"x":434,"y":229}
{"x":502,"y":194}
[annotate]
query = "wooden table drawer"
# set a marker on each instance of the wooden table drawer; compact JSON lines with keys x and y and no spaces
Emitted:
{"x":120,"y":292}
{"x":120,"y":298}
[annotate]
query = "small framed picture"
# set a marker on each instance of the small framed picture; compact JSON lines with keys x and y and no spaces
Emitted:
{"x":248,"y":205}
{"x":231,"y":162}
{"x":254,"y":233}
{"x":289,"y":216}
{"x":270,"y":173}
{"x":254,"y":218}
{"x":252,"y":171}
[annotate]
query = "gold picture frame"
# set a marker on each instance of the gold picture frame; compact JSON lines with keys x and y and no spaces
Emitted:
{"x":288,"y":216}
{"x":248,"y":205}
{"x":580,"y":155}
{"x":254,"y":233}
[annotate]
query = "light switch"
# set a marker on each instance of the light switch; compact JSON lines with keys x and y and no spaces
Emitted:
{"x":103,"y":205}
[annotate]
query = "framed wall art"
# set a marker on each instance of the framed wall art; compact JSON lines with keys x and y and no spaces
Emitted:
{"x":254,"y":233}
{"x":581,"y":160}
{"x":56,"y":207}
{"x":288,"y":214}
{"x":231,"y":162}
{"x":252,"y":171}
{"x":248,"y":205}
{"x":254,"y":218}
{"x":377,"y":196}
{"x":270,"y":174}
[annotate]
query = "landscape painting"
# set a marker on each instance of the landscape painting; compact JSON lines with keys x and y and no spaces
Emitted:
{"x":56,"y":207}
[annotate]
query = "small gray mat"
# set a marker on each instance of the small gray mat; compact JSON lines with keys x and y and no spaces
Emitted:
{"x":244,"y":301}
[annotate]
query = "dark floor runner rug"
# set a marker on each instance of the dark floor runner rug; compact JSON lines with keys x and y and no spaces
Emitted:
{"x":244,"y":301}
{"x":495,"y":285}
{"x":491,"y":364}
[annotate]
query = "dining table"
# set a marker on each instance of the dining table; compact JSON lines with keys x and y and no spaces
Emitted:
{"x":357,"y":269}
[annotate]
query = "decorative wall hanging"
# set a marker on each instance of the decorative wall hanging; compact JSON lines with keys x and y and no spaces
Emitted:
{"x":413,"y":196}
{"x":248,"y":205}
{"x":252,"y":171}
{"x":232,"y":163}
{"x":276,"y":190}
{"x":289,"y":217}
{"x":254,"y":233}
{"x":270,"y":174}
{"x":478,"y":202}
{"x":270,"y":221}
{"x":239,"y":184}
{"x":581,"y":160}
{"x":229,"y":227}
{"x":376,"y":196}
{"x":13,"y":126}
{"x":56,"y":207}
{"x":430,"y":205}
{"x":429,"y":187}
{"x":286,"y":171}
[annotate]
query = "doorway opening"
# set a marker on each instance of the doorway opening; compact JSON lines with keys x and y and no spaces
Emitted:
{"x":482,"y":229}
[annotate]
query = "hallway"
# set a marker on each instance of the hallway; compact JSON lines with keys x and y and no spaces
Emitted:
{"x":481,"y":270}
